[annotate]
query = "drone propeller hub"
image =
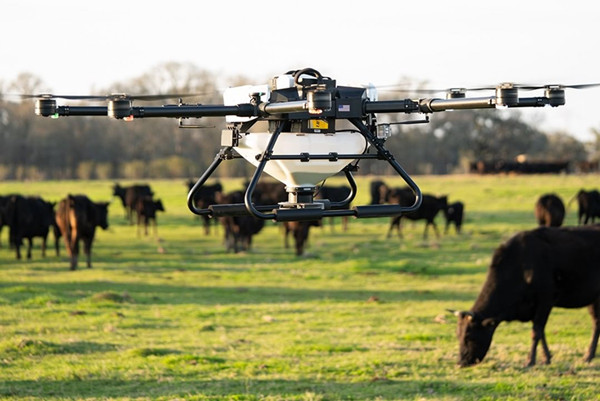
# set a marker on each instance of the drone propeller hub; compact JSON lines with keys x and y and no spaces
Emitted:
{"x":45,"y":107}
{"x":507,"y":95}
{"x":555,"y":95}
{"x":119,"y":108}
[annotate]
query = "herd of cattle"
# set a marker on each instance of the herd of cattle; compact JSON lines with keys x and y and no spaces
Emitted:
{"x":239,"y":230}
{"x":74,"y":218}
{"x":529,"y":274}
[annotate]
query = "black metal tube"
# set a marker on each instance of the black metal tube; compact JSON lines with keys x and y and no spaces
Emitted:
{"x":391,"y":106}
{"x":390,"y":159}
{"x":190,"y":198}
{"x":259,"y":169}
{"x":82,"y":110}
{"x":532,"y":102}
{"x":242,"y":110}
{"x":325,"y":157}
{"x":343,"y":204}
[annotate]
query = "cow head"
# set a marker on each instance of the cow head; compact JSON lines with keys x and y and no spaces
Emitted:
{"x":102,"y":214}
{"x":474,"y":337}
{"x":158,"y":205}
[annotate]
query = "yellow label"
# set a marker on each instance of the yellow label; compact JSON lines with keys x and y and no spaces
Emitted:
{"x":318,"y":124}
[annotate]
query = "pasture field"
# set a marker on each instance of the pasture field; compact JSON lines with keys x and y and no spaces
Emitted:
{"x":359,"y":317}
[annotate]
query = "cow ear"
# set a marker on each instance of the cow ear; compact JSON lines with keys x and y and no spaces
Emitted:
{"x":461,"y":314}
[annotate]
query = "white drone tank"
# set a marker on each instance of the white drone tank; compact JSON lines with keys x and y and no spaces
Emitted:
{"x":293,"y":173}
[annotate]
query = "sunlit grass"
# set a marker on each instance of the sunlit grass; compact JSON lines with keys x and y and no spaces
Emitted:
{"x":360,"y":316}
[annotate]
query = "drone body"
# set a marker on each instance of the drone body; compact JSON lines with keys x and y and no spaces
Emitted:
{"x":302,"y":128}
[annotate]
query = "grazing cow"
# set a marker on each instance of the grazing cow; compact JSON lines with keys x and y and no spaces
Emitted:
{"x":589,"y":206}
{"x":549,"y":211}
{"x":129,"y":197}
{"x":146,"y":209}
{"x":27,"y":217}
{"x":453,"y":213}
{"x":376,"y":187}
{"x":269,"y":193}
{"x":430,"y":207}
{"x":205,"y":197}
{"x":300,"y":231}
{"x":239,"y":230}
{"x":529,"y":274}
{"x":77,"y":218}
{"x":335,"y":194}
{"x":3,"y":203}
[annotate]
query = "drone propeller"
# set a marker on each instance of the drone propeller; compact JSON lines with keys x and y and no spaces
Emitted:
{"x":113,"y":96}
{"x":392,"y":88}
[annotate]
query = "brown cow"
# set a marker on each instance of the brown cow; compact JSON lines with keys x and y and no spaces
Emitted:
{"x":129,"y":197}
{"x":77,"y":218}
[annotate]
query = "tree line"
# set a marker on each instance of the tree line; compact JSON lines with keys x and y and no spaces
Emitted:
{"x":32,"y":147}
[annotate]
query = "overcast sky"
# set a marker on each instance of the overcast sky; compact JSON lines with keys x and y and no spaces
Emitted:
{"x":76,"y":46}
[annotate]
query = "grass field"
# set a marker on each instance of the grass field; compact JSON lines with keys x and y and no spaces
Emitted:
{"x":359,"y":317}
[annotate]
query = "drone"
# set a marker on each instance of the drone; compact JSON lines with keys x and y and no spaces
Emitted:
{"x":302,"y":128}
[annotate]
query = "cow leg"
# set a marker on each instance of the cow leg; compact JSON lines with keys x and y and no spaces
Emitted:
{"x":595,"y":312}
{"x":73,"y":248}
{"x":435,"y":229}
{"x":537,"y":335}
{"x":29,"y":246}
{"x":44,"y":240}
{"x":345,"y":223}
{"x":286,"y":234}
{"x":87,"y":249}
{"x":395,"y":223}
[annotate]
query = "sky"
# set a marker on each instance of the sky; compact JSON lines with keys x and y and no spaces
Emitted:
{"x":76,"y":46}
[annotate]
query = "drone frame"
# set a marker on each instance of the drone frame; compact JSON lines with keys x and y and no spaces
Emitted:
{"x":311,"y":97}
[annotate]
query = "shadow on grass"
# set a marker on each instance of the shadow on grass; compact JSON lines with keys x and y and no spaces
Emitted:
{"x":143,"y":293}
{"x":245,"y":389}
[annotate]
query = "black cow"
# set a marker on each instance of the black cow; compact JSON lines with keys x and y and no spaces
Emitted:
{"x":204,"y":197}
{"x":453,"y":213}
{"x":129,"y":197}
{"x":376,"y":187}
{"x":146,"y":209}
{"x":430,"y":207}
{"x":529,"y":274}
{"x":549,"y":211}
{"x":27,"y":217}
{"x":239,"y":230}
{"x":300,"y":231}
{"x":589,"y":206}
{"x":335,"y":194}
{"x":77,"y":218}
{"x":269,"y":193}
{"x":3,"y":203}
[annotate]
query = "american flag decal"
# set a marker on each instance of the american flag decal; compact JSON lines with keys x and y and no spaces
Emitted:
{"x":345,"y":108}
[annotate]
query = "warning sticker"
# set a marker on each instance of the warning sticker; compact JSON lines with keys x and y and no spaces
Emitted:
{"x":317,"y":124}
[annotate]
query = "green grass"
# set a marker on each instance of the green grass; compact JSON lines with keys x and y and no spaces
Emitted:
{"x":359,"y":317}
